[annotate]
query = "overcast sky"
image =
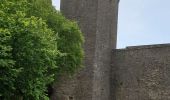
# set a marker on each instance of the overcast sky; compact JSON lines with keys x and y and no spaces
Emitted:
{"x":141,"y":22}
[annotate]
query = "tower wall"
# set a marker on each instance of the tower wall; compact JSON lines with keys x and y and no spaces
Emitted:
{"x":98,"y":21}
{"x":134,"y":73}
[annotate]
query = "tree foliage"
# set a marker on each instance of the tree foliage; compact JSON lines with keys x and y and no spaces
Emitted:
{"x":37,"y":44}
{"x":70,"y":37}
{"x":34,"y":49}
{"x":7,"y":70}
{"x":28,"y":49}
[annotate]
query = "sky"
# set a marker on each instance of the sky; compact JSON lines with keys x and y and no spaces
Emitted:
{"x":141,"y":22}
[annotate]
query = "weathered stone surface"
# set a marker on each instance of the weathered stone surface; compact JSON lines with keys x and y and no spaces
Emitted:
{"x":98,"y":21}
{"x":134,"y":73}
{"x":141,"y":73}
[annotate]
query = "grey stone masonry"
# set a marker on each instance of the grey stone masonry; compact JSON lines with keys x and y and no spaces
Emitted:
{"x":98,"y":21}
{"x":141,"y":73}
{"x":133,"y":73}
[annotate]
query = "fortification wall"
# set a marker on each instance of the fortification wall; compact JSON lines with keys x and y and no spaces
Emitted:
{"x":80,"y":87}
{"x":98,"y":21}
{"x":141,"y":73}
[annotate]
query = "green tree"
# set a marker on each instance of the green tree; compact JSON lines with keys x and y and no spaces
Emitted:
{"x":70,"y":39}
{"x":8,"y":72}
{"x":36,"y":44}
{"x":35,"y":50}
{"x":28,"y":49}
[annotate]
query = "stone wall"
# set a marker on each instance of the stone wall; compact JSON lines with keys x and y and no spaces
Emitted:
{"x":98,"y":21}
{"x":134,"y":73}
{"x":81,"y":86}
{"x":141,"y":73}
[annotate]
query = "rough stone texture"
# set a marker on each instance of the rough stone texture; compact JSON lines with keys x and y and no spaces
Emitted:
{"x":141,"y":73}
{"x":134,"y":73}
{"x":98,"y":21}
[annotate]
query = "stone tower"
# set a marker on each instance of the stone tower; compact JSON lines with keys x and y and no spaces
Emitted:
{"x":98,"y":21}
{"x":133,"y":73}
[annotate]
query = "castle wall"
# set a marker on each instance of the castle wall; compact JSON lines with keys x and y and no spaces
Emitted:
{"x":80,"y":87}
{"x":98,"y":21}
{"x":134,"y":73}
{"x":141,"y":73}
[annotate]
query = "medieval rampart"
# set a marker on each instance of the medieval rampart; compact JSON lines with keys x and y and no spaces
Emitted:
{"x":141,"y":73}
